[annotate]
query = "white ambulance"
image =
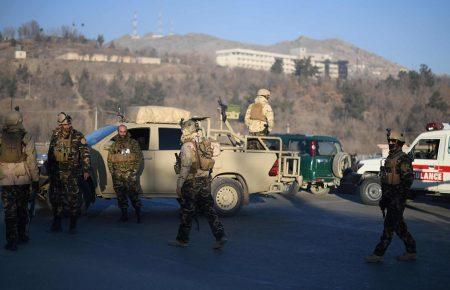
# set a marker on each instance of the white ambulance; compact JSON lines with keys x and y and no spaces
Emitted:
{"x":431,"y":162}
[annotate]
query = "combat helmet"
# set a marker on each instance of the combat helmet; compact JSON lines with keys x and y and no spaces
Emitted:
{"x":13,"y":118}
{"x":264,"y":93}
{"x":64,"y":119}
{"x":395,"y":135}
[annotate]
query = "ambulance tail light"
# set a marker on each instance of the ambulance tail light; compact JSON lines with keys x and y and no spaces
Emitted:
{"x":275,"y":169}
{"x":434,"y":126}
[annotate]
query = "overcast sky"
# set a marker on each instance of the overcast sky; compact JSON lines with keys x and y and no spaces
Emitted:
{"x":408,"y":32}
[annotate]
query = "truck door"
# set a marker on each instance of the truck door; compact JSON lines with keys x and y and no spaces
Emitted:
{"x":168,"y":145}
{"x":146,"y":177}
{"x":427,"y":154}
{"x":444,"y":168}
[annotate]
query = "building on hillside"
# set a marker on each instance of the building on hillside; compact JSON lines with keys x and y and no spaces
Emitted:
{"x":262,"y":60}
{"x":109,"y":58}
{"x":20,"y":54}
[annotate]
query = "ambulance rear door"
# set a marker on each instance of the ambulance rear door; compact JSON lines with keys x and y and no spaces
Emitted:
{"x":444,"y":168}
{"x":428,"y":154}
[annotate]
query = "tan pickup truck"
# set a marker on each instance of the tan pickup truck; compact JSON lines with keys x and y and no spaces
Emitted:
{"x":238,"y":172}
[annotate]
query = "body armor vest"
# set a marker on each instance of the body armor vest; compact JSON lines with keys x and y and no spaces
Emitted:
{"x":392,"y":170}
{"x":63,"y":149}
{"x":256,"y":112}
{"x":11,"y":150}
{"x":122,"y":154}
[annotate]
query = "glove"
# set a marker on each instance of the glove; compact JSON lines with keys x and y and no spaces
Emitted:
{"x":35,"y":186}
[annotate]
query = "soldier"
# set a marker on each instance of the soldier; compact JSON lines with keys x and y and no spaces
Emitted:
{"x":396,"y":179}
{"x":259,"y":115}
{"x":124,"y":159}
{"x":18,"y":169}
{"x":68,"y":163}
{"x":194,"y":186}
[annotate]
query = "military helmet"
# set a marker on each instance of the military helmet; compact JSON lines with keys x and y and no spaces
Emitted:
{"x":13,"y":118}
{"x":189,"y":127}
{"x":395,"y":135}
{"x":64,"y":119}
{"x":264,"y":93}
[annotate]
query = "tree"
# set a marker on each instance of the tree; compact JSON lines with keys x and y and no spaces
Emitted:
{"x":354,"y":104}
{"x":22,"y":73}
{"x":100,"y":40}
{"x":1,"y":36}
{"x":66,"y":79}
{"x":437,"y":102}
{"x":112,"y":45}
{"x":305,"y":69}
{"x":277,"y":66}
{"x":30,"y":30}
{"x":426,"y":75}
{"x":9,"y":33}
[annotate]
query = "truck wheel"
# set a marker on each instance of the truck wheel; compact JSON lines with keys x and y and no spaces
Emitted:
{"x":228,"y":196}
{"x":370,"y":190}
{"x":319,"y":190}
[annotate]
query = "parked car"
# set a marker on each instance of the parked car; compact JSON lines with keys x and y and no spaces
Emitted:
{"x":323,"y":160}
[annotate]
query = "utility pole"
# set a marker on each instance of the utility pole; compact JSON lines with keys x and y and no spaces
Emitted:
{"x":95,"y":118}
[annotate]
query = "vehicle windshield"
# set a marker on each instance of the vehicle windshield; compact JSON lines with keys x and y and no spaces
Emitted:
{"x":99,"y":134}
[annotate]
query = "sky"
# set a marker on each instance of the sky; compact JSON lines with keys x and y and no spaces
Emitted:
{"x":408,"y":32}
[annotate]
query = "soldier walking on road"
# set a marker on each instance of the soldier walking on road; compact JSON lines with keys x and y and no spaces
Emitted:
{"x":397,"y":177}
{"x":18,"y":169}
{"x":194,"y":185}
{"x":68,"y":163}
{"x":259,"y":116}
{"x":124,"y":160}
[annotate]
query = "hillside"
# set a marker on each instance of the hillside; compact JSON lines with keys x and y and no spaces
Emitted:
{"x":360,"y":61}
{"x":357,"y":111}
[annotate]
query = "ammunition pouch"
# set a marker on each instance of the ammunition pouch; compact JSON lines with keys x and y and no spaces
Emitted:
{"x":63,"y":150}
{"x":119,"y":158}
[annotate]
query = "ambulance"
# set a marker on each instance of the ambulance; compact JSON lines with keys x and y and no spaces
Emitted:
{"x":431,"y":162}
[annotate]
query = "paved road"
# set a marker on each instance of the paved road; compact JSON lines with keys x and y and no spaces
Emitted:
{"x":281,"y":242}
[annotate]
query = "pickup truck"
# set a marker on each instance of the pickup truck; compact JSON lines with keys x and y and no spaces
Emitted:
{"x":238,"y":171}
{"x":430,"y":152}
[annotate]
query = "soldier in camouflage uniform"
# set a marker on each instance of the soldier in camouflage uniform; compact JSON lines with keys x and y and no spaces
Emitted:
{"x":259,"y":115}
{"x":68,"y":163}
{"x":18,"y":169}
{"x":124,"y":160}
{"x":194,"y":190}
{"x":397,"y":177}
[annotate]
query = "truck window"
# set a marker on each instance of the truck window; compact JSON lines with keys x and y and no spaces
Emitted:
{"x":299,"y":145}
{"x":426,"y":149}
{"x":169,"y":138}
{"x":327,"y":148}
{"x":448,"y":149}
{"x":142,"y":135}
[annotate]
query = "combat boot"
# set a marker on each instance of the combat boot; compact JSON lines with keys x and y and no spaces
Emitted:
{"x":177,"y":243}
{"x":11,"y":246}
{"x":220,"y":243}
{"x":374,"y":259}
{"x":124,"y":216}
{"x":73,"y":225}
{"x":138,"y":215}
{"x":407,"y":257}
{"x":56,"y":225}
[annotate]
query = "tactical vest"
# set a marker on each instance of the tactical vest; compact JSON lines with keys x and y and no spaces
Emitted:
{"x":11,"y":149}
{"x":256,"y":112}
{"x":63,"y":149}
{"x":392,"y":170}
{"x":120,"y":155}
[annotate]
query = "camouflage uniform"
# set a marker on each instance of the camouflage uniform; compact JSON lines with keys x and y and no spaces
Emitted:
{"x":396,"y":177}
{"x":124,"y":159}
{"x":195,"y":185}
{"x":259,"y":116}
{"x":68,"y":160}
{"x":18,"y":169}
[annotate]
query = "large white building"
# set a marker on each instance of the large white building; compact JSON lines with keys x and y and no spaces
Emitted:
{"x":262,"y":60}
